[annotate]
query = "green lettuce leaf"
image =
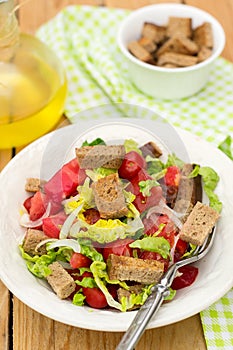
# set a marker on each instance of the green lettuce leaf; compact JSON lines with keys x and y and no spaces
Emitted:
{"x":99,"y":173}
{"x":146,"y":186}
{"x":101,"y":278}
{"x":171,"y":295}
{"x":38,"y":265}
{"x":128,"y":302}
{"x":210,"y":180}
{"x":131,"y":145}
{"x":78,"y":298}
{"x":226,"y":147}
{"x":105,"y":231}
{"x":86,"y":282}
{"x":97,"y":141}
{"x":88,"y":250}
{"x":153,"y":244}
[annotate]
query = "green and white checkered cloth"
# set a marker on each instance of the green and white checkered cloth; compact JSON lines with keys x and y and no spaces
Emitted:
{"x":85,"y":40}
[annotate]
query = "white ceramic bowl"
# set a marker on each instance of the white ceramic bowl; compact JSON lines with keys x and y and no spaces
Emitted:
{"x":168,"y":83}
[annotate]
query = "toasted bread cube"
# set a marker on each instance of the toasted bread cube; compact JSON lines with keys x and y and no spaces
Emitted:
{"x":91,"y":157}
{"x":140,"y":52}
{"x":60,"y":281}
{"x":179,"y":26}
{"x":126,"y":268}
{"x":109,"y":197}
{"x":154,"y":32}
{"x":204,"y":53}
{"x":32,"y":239}
{"x":33,"y":184}
{"x":178,"y":59}
{"x":203,"y":35}
{"x":199,"y":224}
{"x":179,"y":45}
{"x":148,"y":44}
{"x":151,"y":149}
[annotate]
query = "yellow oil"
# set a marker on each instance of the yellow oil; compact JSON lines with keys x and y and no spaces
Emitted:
{"x":32,"y":93}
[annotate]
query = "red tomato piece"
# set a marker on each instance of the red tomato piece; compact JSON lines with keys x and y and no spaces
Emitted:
{"x":119,"y":247}
{"x":180,"y":250}
{"x":154,"y":256}
{"x":95,"y":298}
{"x":189,"y":274}
{"x":132,"y":163}
{"x":64,"y":183}
{"x":27,"y":203}
{"x":172,"y":176}
{"x":38,"y":206}
{"x":52,"y":224}
{"x":79,"y":260}
{"x":92,"y":216}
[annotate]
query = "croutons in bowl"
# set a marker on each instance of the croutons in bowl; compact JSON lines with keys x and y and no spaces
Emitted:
{"x":170,"y":49}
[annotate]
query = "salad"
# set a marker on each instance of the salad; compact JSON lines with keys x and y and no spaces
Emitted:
{"x":107,"y":225}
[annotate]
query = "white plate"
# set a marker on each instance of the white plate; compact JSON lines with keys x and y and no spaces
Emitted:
{"x":43,"y":157}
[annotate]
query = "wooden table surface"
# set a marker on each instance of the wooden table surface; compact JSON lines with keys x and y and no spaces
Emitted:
{"x":21,"y":328}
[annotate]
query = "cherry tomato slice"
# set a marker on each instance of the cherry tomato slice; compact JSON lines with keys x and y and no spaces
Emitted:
{"x":119,"y":247}
{"x":189,"y":274}
{"x":78,"y":260}
{"x":131,"y":165}
{"x":95,"y":298}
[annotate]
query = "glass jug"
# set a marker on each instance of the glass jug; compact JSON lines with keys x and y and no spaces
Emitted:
{"x":32,"y":83}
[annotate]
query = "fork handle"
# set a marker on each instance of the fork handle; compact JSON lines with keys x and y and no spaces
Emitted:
{"x":142,"y":318}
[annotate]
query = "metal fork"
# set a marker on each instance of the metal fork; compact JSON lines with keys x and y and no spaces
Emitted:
{"x":159,"y":292}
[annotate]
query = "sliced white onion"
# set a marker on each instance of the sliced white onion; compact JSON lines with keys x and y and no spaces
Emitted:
{"x":44,"y":242}
{"x":172,"y":252}
{"x":26,"y":222}
{"x":71,"y":243}
{"x":71,"y":199}
{"x":69,"y":222}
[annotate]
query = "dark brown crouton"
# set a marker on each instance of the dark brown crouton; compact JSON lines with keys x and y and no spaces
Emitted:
{"x":32,"y":239}
{"x":154,"y":32}
{"x":176,"y":58}
{"x":151,"y":149}
{"x":34,"y":184}
{"x":204,"y":53}
{"x":203,"y":35}
{"x":199,"y":224}
{"x":148,"y":44}
{"x":60,"y":281}
{"x":125,"y":268}
{"x":91,"y":157}
{"x":178,"y":45}
{"x":179,"y":26}
{"x":140,"y":52}
{"x":109,"y":197}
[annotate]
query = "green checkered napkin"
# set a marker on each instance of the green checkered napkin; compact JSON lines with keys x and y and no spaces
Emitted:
{"x":85,"y":40}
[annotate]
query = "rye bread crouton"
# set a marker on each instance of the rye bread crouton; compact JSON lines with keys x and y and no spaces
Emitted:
{"x":148,"y":44}
{"x":60,"y":280}
{"x":178,"y":45}
{"x":109,"y":197}
{"x":126,"y":268}
{"x":91,"y":157}
{"x":178,"y":59}
{"x":204,"y":53}
{"x":154,"y":32}
{"x":199,"y":224}
{"x":151,"y":149}
{"x":203,"y":35}
{"x":179,"y":26}
{"x":34,"y":184}
{"x":140,"y":52}
{"x":189,"y":191}
{"x":32,"y":239}
{"x":123,"y":293}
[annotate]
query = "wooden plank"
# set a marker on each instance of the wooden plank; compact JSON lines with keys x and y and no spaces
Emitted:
{"x":133,"y":4}
{"x":4,"y":317}
{"x":33,"y":13}
{"x":222,"y":11}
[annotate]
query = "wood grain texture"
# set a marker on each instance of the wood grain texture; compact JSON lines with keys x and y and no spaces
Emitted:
{"x":223,"y":12}
{"x":33,"y":331}
{"x":4,"y":317}
{"x":133,"y":4}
